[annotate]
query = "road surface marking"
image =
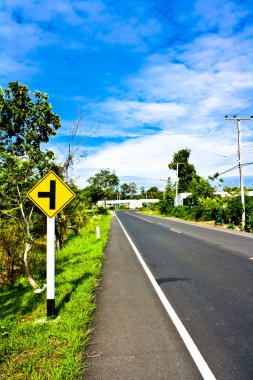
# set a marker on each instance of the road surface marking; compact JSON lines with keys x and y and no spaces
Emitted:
{"x":203,"y":226}
{"x":174,"y":230}
{"x":251,"y":258}
{"x":161,"y":224}
{"x":139,"y":217}
{"x":191,"y":346}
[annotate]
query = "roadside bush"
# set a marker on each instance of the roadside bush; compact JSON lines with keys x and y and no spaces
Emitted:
{"x":249,"y":213}
{"x":228,"y":208}
{"x":232,"y":213}
{"x":162,"y":206}
{"x":210,"y":208}
{"x":184,"y":212}
{"x":12,"y":241}
{"x":102,"y":210}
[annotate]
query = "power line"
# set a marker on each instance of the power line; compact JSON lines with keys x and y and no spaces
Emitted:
{"x":230,"y":157}
{"x":235,"y":167}
{"x":218,"y":126}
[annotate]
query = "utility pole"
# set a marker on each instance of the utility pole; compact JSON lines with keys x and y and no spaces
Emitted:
{"x":240,"y":163}
{"x":164,"y":180}
{"x":177,"y":163}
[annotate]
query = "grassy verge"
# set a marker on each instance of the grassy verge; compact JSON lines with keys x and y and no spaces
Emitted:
{"x":154,"y":212}
{"x":32,"y":347}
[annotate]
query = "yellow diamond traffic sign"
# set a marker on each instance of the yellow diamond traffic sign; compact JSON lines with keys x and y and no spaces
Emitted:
{"x":51,"y":194}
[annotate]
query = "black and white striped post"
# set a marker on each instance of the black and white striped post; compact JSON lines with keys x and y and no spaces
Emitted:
{"x":51,"y":267}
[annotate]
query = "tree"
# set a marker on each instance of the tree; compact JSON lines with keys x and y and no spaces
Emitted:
{"x":107,"y":181}
{"x":11,"y":245}
{"x":74,"y":147}
{"x":26,"y":121}
{"x":169,"y":192}
{"x":234,"y":190}
{"x":142,"y":192}
{"x":216,"y":180}
{"x":154,"y":193}
{"x":200,"y":188}
{"x":128,"y":190}
{"x":92,"y":194}
{"x":186,"y":171}
{"x":72,"y":217}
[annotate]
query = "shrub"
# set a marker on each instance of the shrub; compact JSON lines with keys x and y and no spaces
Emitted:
{"x":210,"y":208}
{"x":232,"y":213}
{"x":12,"y":241}
{"x":162,"y":206}
{"x":249,"y":213}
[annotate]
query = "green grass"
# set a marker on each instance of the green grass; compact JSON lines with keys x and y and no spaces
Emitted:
{"x":33,"y":347}
{"x":154,"y":212}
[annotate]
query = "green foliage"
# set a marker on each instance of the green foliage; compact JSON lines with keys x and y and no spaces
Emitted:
{"x":217,"y":182}
{"x":209,"y":209}
{"x":229,"y":209}
{"x":186,"y":171}
{"x":233,"y":210}
{"x":249,"y":213}
{"x":142,"y":193}
{"x":100,"y":210}
{"x":154,"y":193}
{"x":169,"y":193}
{"x":33,"y":347}
{"x":73,"y":217}
{"x":163,"y":206}
{"x":232,"y":190}
{"x":186,"y":212}
{"x":12,"y":241}
{"x":92,"y":194}
{"x":128,"y":190}
{"x":26,"y":121}
{"x":200,"y":188}
{"x":107,"y":181}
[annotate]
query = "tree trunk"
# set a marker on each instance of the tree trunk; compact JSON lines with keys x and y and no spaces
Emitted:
{"x":29,"y":276}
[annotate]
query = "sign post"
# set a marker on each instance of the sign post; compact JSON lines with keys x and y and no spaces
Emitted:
{"x":51,"y":267}
{"x":51,"y":195}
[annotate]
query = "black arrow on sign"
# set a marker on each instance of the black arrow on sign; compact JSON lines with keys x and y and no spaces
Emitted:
{"x":49,"y":194}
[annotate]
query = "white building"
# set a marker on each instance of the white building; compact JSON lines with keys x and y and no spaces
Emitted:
{"x":179,"y":200}
{"x":128,"y":203}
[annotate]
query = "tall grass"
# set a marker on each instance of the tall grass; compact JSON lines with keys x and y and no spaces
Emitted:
{"x":33,"y":347}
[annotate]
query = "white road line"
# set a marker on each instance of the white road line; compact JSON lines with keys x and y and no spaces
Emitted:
{"x":139,"y":217}
{"x":174,"y":230}
{"x":192,"y":348}
{"x":251,"y":258}
{"x":248,"y":235}
{"x":161,"y":224}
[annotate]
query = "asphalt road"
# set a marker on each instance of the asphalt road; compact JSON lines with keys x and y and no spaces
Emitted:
{"x":133,"y":337}
{"x":207,"y":276}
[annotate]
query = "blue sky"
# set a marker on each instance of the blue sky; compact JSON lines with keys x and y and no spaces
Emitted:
{"x":156,"y":76}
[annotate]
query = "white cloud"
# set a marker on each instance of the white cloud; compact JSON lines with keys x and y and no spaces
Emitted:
{"x":177,"y":98}
{"x":220,"y":14}
{"x":9,"y":67}
{"x":143,"y":112}
{"x":186,"y":91}
{"x":148,"y":157}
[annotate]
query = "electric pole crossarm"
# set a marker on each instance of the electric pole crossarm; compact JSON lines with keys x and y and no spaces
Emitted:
{"x":239,"y":118}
